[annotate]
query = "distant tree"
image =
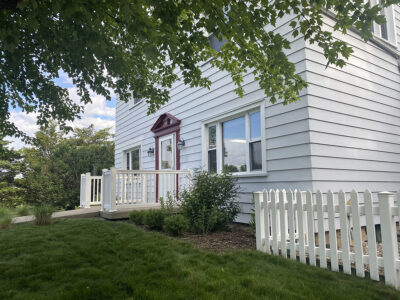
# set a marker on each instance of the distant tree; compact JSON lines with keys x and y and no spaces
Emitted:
{"x":11,"y":165}
{"x":135,"y":47}
{"x":56,"y":161}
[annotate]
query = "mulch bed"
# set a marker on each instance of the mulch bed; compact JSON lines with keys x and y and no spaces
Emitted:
{"x":240,"y":238}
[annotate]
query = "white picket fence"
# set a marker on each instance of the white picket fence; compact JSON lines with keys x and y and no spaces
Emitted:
{"x":90,"y":190}
{"x":287,"y":223}
{"x":124,"y":188}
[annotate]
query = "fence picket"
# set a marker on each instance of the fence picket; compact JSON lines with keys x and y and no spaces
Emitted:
{"x":344,"y":233}
{"x":300,"y":222}
{"x":282,"y":198}
{"x":266,"y":222}
{"x":290,"y":213}
{"x":310,"y":226}
{"x":332,"y":231}
{"x":274,"y":223}
{"x":259,"y":219}
{"x":369,"y":217}
{"x":389,"y":239}
{"x":358,"y":249}
{"x":321,"y":231}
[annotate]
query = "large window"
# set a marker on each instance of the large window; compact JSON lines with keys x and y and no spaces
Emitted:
{"x":132,"y":159}
{"x":385,"y":31}
{"x":235,"y":144}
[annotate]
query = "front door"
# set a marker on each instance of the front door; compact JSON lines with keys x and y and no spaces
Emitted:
{"x":167,"y":152}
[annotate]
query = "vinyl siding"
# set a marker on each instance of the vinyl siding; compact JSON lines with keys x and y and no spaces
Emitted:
{"x":287,"y":137}
{"x":397,"y":23}
{"x":354,"y":118}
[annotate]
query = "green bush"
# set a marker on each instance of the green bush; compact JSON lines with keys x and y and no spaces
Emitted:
{"x":23,"y":210}
{"x":154,"y":219}
{"x":43,"y":214}
{"x":5,"y":218}
{"x":175,"y":225}
{"x":167,"y":206}
{"x":137,"y":216}
{"x":211,"y":203}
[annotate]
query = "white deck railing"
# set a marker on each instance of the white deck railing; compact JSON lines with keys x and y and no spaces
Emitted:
{"x":123,"y":188}
{"x":286,"y":223}
{"x":90,"y":190}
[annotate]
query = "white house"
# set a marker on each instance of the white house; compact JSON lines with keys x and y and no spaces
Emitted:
{"x":343,"y":134}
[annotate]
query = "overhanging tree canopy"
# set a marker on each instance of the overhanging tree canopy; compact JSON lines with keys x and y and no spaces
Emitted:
{"x":135,"y":47}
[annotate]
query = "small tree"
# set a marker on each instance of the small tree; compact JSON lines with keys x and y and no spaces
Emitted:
{"x":211,"y":203}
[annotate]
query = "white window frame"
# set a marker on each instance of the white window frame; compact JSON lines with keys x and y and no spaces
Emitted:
{"x":173,"y":144}
{"x":124,"y":160}
{"x":132,"y":103}
{"x":390,"y":25}
{"x":245,"y":110}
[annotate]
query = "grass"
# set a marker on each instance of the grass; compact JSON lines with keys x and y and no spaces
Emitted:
{"x":96,"y":259}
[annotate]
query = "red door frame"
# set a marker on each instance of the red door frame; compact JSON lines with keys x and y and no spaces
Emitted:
{"x":166,"y":124}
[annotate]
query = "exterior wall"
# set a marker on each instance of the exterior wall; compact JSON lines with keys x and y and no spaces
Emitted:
{"x":287,"y":137}
{"x":343,"y":134}
{"x":397,"y":22}
{"x":355,"y":118}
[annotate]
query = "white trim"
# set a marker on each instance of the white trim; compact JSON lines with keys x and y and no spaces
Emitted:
{"x":243,"y":110}
{"x":132,"y":104}
{"x":390,"y":25}
{"x":231,"y":113}
{"x":171,"y":137}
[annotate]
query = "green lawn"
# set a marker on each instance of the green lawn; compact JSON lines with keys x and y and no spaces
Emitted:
{"x":95,"y":259}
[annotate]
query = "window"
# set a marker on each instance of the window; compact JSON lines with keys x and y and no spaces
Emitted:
{"x":132,"y":159}
{"x":134,"y":102}
{"x":255,"y":142}
{"x":167,"y":152}
{"x":235,"y":144}
{"x":385,"y":31}
{"x":215,"y":43}
{"x":212,"y":149}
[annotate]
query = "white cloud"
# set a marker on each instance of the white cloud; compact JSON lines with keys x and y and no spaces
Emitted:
{"x":97,"y":113}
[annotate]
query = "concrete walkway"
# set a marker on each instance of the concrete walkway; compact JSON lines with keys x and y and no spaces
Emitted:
{"x":77,"y":213}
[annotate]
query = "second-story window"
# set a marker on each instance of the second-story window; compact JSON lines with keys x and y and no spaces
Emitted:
{"x":385,"y":31}
{"x":215,"y":43}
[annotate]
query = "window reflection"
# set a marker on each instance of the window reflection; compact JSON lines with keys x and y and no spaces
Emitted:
{"x":234,"y":145}
{"x":166,"y":154}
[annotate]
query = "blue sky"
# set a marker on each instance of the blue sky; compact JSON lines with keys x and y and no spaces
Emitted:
{"x":100,"y":113}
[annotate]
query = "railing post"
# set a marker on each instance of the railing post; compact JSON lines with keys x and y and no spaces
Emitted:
{"x":389,"y":239}
{"x":86,"y":192}
{"x":113,"y":187}
{"x":144,"y":187}
{"x":82,"y":200}
{"x":259,"y":219}
{"x":103,"y":194}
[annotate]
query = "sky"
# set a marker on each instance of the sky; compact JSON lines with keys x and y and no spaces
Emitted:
{"x":100,"y":113}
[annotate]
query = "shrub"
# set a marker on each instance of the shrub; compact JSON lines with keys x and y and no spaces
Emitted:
{"x":43,"y":214}
{"x":167,"y":206}
{"x":23,"y":210}
{"x":211,"y":203}
{"x":175,"y":224}
{"x":137,"y":216}
{"x":154,"y":219}
{"x":5,"y":218}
